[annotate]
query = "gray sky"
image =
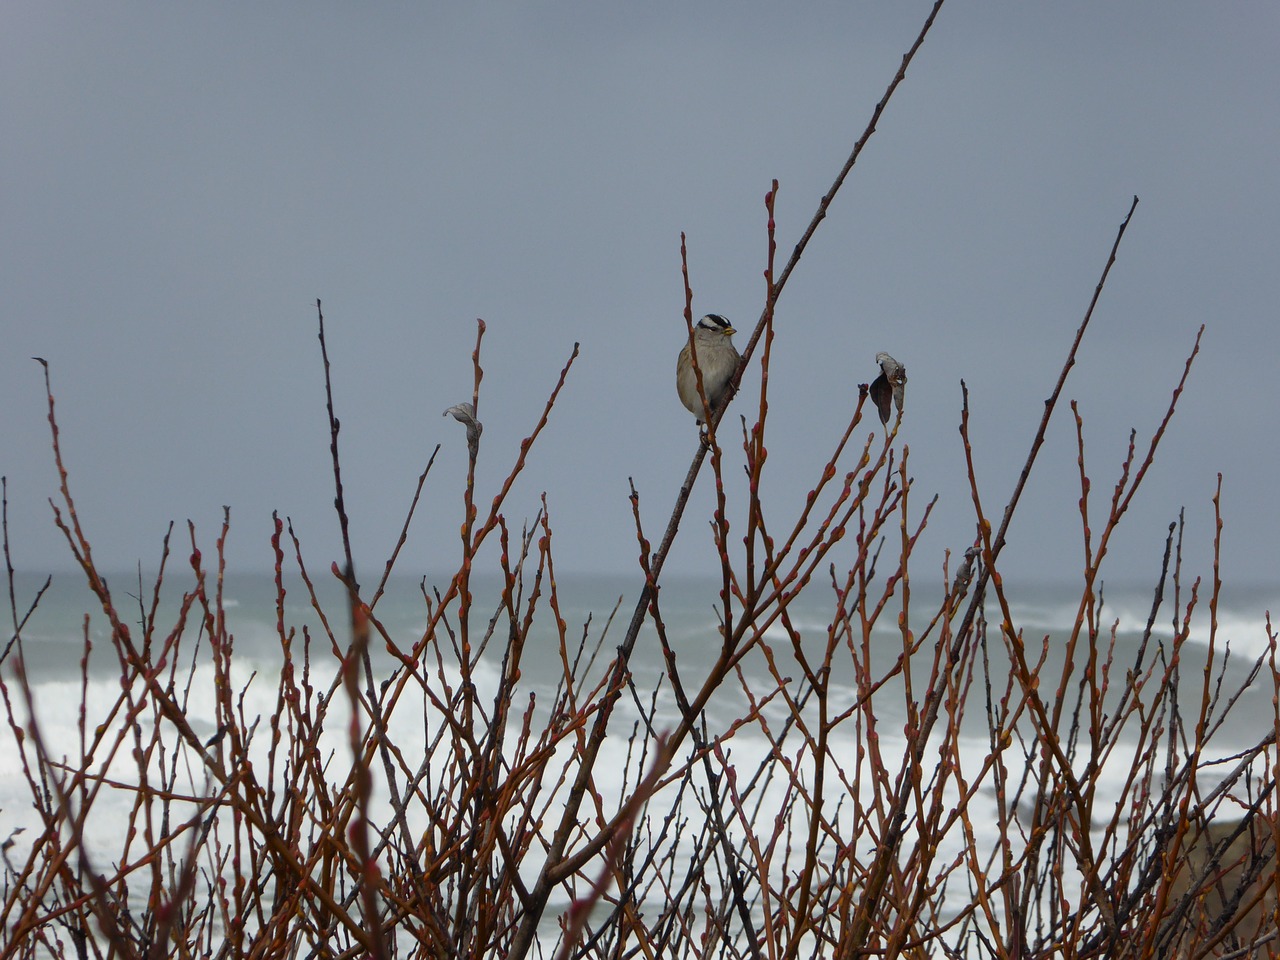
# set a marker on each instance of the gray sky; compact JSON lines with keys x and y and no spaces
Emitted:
{"x":181,"y":182}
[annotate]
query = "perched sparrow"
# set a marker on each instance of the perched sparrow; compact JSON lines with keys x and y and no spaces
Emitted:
{"x":891,"y":383}
{"x":717,"y":359}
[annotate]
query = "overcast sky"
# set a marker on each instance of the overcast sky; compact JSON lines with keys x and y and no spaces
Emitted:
{"x":182,"y":181}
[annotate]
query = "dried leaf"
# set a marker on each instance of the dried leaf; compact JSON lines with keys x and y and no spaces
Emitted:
{"x":891,"y":384}
{"x":465,"y":413}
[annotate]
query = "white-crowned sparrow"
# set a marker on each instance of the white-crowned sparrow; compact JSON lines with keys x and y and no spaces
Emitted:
{"x":717,"y":360}
{"x":891,"y":384}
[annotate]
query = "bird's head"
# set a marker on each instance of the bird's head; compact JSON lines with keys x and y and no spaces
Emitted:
{"x":714,"y":323}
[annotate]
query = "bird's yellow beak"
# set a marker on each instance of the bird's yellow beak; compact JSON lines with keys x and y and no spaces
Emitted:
{"x":728,"y":331}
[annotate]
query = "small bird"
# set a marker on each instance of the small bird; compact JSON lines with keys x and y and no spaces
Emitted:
{"x":892,"y":383}
{"x":717,"y":360}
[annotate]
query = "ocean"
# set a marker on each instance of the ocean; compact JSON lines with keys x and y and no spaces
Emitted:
{"x":747,"y":712}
